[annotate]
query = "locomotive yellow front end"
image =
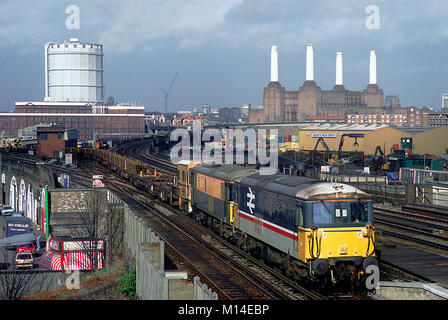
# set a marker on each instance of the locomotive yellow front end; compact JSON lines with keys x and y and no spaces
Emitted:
{"x":183,"y":183}
{"x":338,"y":239}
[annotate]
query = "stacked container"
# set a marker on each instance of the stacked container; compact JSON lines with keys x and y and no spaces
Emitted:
{"x":281,"y":143}
{"x":288,"y":143}
{"x":295,"y":143}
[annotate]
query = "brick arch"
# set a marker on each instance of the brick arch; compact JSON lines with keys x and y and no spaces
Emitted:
{"x":22,"y":197}
{"x":13,"y":193}
{"x":3,"y":187}
{"x":30,"y":204}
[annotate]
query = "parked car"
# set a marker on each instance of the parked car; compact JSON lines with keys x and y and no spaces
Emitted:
{"x":16,"y":214}
{"x":29,"y":247}
{"x":7,"y":210}
{"x":24,"y":260}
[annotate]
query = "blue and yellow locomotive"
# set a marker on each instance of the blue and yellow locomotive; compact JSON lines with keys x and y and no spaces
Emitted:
{"x":310,"y":228}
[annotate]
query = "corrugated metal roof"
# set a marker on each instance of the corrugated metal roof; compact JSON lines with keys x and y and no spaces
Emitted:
{"x":227,"y":172}
{"x":346,"y":127}
{"x":414,"y":130}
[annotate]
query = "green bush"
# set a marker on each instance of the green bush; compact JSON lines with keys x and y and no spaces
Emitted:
{"x":127,"y":283}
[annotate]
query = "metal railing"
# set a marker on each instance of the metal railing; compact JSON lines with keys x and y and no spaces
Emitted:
{"x":431,"y":195}
{"x":377,"y":186}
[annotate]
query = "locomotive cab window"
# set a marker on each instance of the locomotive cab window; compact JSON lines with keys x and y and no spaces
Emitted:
{"x":298,"y":218}
{"x":341,"y":213}
{"x":323,"y":212}
{"x":352,"y":212}
{"x":359,"y":212}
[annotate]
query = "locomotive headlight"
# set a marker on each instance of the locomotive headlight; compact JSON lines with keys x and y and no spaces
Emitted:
{"x":364,"y":232}
{"x":367,"y":230}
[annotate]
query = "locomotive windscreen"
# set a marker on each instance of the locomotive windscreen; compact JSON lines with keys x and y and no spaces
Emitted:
{"x":331,"y":212}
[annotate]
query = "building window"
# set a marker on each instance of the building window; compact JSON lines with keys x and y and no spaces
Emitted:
{"x":60,"y":135}
{"x":43,"y":136}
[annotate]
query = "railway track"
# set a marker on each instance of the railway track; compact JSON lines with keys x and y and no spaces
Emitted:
{"x":232,"y":273}
{"x":137,"y":149}
{"x":427,"y":211}
{"x":419,"y":228}
{"x":245,"y":277}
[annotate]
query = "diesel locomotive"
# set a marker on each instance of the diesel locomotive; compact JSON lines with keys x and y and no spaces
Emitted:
{"x":312,"y":230}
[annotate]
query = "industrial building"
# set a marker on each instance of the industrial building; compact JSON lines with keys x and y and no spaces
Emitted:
{"x":426,"y":140}
{"x":74,"y":72}
{"x":100,"y":121}
{"x":332,"y":133}
{"x":280,"y":105}
{"x":52,"y":141}
{"x":74,"y":96}
{"x":431,"y":141}
{"x":408,"y":116}
{"x":304,"y":136}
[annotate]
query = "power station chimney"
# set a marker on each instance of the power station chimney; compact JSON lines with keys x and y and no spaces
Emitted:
{"x":309,"y":63}
{"x":339,"y":78}
{"x":274,"y":64}
{"x":372,"y":76}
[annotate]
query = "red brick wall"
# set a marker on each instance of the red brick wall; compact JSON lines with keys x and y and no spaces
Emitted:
{"x":105,"y":126}
{"x":51,"y":144}
{"x":256,"y":116}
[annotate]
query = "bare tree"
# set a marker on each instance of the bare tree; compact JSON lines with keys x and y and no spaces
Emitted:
{"x":14,"y":284}
{"x":99,"y":228}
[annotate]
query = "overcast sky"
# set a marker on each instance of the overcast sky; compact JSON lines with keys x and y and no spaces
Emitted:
{"x":221,"y":49}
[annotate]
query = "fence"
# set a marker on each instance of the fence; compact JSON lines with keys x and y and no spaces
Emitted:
{"x":422,"y":176}
{"x":429,"y":195}
{"x":377,"y":186}
{"x":153,"y":281}
{"x":136,"y":231}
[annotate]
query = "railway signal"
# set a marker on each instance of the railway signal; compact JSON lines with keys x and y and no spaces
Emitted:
{"x":97,"y":181}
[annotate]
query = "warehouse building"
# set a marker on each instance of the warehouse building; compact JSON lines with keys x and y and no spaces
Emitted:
{"x":432,"y":141}
{"x":332,"y":133}
{"x":100,"y":121}
{"x":426,"y":140}
{"x":303,"y":136}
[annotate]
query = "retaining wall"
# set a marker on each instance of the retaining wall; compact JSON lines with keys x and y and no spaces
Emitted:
{"x":153,"y":281}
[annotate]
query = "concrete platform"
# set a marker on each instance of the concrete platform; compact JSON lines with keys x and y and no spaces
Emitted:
{"x":410,"y":291}
{"x":432,"y":266}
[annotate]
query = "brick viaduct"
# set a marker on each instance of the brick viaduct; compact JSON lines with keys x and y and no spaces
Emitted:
{"x":22,"y":183}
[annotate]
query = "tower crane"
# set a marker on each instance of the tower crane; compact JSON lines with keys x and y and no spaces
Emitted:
{"x":168,"y":92}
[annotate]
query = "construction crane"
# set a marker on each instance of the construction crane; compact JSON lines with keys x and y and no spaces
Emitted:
{"x":379,"y":163}
{"x":350,"y":135}
{"x":168,"y":92}
{"x":331,"y":159}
